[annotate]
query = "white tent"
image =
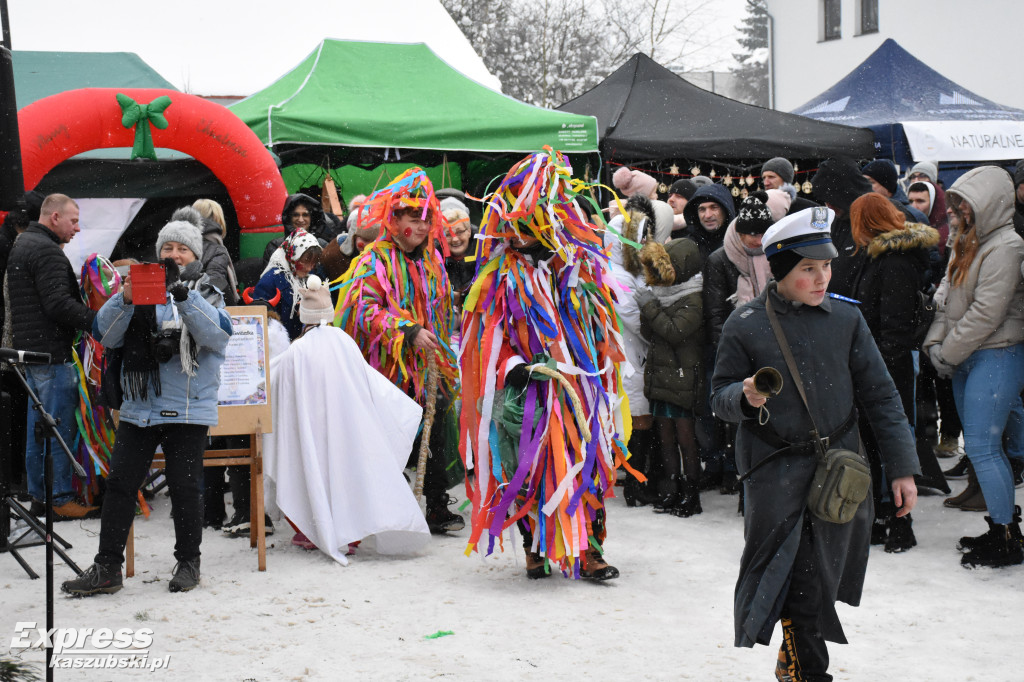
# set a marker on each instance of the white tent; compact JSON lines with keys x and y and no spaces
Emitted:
{"x":216,"y":47}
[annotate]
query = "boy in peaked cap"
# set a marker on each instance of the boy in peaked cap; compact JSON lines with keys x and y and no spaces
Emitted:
{"x":814,"y":562}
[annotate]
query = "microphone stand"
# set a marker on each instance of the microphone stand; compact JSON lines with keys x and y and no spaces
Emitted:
{"x":46,"y":428}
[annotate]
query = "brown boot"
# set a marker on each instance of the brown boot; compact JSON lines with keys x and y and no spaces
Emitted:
{"x":973,"y":488}
{"x":72,"y":509}
{"x":596,"y":568}
{"x":535,"y":568}
{"x":975,"y":503}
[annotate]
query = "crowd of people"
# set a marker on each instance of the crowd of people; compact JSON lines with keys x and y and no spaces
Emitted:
{"x":546,"y":355}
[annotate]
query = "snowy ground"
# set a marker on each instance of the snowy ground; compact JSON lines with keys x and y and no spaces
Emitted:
{"x":669,"y":616}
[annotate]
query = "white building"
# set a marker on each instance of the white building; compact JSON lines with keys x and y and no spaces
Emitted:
{"x":975,"y":44}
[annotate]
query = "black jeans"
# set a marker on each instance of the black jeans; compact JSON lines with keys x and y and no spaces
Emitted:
{"x":183,"y":446}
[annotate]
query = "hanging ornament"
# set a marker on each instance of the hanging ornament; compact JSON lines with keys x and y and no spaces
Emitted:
{"x":750,"y":180}
{"x":807,"y":187}
{"x":673,"y":169}
{"x":735,"y":191}
{"x":712,"y":174}
{"x":744,"y":193}
{"x":695,"y":171}
{"x":727,"y":180}
{"x":662,"y":188}
{"x":795,"y":168}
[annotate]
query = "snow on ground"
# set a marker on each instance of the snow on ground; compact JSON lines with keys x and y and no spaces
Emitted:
{"x":669,"y":616}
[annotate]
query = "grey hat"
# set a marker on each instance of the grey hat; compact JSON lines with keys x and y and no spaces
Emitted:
{"x":781,"y":167}
{"x":929,"y":169}
{"x":183,"y":232}
{"x":702,"y":181}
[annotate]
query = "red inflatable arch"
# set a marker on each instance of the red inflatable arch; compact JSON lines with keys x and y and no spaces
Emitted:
{"x":60,"y":126}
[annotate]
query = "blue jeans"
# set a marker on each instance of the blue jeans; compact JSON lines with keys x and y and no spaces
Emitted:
{"x":986,"y":387}
{"x":56,"y":386}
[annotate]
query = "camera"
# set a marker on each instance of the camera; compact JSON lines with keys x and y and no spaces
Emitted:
{"x":166,"y":344}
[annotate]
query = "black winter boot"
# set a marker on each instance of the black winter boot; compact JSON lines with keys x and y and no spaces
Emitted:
{"x":1001,"y":546}
{"x":670,"y":496}
{"x":690,"y":504}
{"x":958,"y":470}
{"x":901,"y":534}
{"x":440,"y":519}
{"x":968,"y":542}
{"x":185,"y":576}
{"x":634,"y":491}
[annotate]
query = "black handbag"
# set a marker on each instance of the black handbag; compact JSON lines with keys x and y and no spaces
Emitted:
{"x":842,"y":479}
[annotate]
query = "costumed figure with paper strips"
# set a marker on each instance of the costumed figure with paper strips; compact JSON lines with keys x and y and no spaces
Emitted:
{"x":396,"y":302}
{"x":544,"y":418}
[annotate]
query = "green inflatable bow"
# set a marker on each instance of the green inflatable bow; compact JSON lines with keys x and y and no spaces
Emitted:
{"x":142,"y":116}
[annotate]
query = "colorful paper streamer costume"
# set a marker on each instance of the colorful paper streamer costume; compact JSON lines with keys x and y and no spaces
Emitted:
{"x":532,"y":463}
{"x":387,"y":291}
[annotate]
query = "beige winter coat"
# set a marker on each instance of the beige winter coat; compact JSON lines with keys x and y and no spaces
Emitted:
{"x":987,"y":309}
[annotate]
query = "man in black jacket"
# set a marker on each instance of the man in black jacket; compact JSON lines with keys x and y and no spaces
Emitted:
{"x":47,"y":312}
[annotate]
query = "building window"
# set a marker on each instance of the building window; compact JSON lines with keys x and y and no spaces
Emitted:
{"x":867,"y":12}
{"x":831,"y":20}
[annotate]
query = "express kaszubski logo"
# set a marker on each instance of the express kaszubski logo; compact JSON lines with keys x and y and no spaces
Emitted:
{"x":82,"y":648}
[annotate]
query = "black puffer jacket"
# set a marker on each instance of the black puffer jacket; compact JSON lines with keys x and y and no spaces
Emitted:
{"x":673,"y":372}
{"x":47,"y":309}
{"x":896,"y":269}
{"x":720,"y":277}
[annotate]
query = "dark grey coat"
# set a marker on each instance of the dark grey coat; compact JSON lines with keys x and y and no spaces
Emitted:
{"x":838,"y":362}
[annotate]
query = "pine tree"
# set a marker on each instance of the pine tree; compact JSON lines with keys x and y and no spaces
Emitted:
{"x":752,"y":72}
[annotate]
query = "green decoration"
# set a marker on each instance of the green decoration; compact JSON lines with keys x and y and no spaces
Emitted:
{"x":142,"y":116}
{"x":438,"y":634}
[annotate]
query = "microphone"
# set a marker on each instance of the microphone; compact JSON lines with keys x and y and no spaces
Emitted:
{"x":24,"y":357}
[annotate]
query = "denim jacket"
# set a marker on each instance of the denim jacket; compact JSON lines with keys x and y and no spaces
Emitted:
{"x":184,"y":399}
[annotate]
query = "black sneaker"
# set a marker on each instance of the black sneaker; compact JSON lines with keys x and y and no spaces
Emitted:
{"x":185,"y":576}
{"x":97,"y":579}
{"x":959,"y":469}
{"x":440,"y":519}
{"x":730,"y":484}
{"x":239,"y":526}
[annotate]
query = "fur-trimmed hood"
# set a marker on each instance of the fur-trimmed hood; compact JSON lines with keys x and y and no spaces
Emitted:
{"x":669,"y":264}
{"x":912,"y":236}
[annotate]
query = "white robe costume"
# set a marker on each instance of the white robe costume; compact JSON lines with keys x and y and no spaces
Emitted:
{"x":342,"y":435}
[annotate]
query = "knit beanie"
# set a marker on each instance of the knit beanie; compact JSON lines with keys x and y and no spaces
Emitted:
{"x":684,"y":188}
{"x":183,"y":232}
{"x":631,"y":182}
{"x":702,"y":181}
{"x":883,"y":172}
{"x":782,"y":263}
{"x":754,"y":216}
{"x":315,"y":302}
{"x":781,"y":167}
{"x":928,"y":168}
{"x":838,"y":182}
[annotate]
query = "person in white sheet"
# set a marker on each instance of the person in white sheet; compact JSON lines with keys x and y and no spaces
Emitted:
{"x":340,"y":484}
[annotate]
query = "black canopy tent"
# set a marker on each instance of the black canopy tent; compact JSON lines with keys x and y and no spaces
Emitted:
{"x":647,"y":113}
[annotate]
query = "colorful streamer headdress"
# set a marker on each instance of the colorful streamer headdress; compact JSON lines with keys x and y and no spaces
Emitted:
{"x":411,"y":189}
{"x":537,"y":198}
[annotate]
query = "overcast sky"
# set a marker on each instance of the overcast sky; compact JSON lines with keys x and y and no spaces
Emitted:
{"x":221,"y":47}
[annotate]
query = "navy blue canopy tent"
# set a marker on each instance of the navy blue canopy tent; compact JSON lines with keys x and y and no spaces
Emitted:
{"x":917,"y":114}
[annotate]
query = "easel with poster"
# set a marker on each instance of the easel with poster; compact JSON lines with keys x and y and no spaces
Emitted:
{"x":243,"y":406}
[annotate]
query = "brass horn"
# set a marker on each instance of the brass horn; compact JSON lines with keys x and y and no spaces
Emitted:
{"x":768,"y":381}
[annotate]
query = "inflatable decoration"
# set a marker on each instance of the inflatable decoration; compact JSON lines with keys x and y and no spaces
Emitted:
{"x":60,"y":126}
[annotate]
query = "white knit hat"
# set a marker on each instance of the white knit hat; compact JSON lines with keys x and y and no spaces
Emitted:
{"x":183,"y":232}
{"x":315,"y":302}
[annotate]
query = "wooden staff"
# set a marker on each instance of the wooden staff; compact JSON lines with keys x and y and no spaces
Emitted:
{"x":577,"y":406}
{"x":428,"y":424}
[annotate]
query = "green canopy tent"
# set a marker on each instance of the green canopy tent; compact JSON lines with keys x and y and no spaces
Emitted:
{"x":364,"y":103}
